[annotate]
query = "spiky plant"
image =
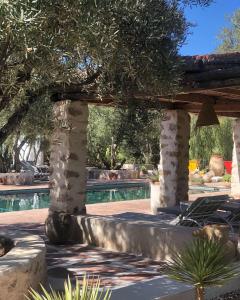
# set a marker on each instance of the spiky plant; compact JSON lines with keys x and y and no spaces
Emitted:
{"x":88,"y":290}
{"x":202,"y":263}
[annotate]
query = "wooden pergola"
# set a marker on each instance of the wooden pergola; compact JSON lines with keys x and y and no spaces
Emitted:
{"x":208,"y":78}
{"x":212,"y":78}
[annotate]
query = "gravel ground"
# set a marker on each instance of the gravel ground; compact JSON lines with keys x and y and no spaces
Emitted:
{"x":235,"y":295}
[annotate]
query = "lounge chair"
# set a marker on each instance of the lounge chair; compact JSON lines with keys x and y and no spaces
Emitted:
{"x":233,"y":219}
{"x":201,"y":211}
{"x":40,"y":172}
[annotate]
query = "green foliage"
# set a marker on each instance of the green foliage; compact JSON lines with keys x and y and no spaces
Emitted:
{"x":134,"y":133}
{"x":227,"y":178}
{"x":154,"y":178}
{"x":202,"y":263}
{"x":88,"y":290}
{"x":103,"y":126}
{"x":197,"y":180}
{"x":114,"y":47}
{"x":206,"y":141}
{"x":230,"y":36}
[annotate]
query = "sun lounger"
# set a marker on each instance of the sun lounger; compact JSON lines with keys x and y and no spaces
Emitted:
{"x":200,"y":212}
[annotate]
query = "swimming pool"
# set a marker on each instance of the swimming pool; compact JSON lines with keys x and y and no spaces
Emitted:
{"x":96,"y":193}
{"x":35,"y":200}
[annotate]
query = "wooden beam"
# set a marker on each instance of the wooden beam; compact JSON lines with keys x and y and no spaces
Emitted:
{"x":189,"y":86}
{"x":199,"y":98}
{"x":235,"y":91}
{"x":220,"y":94}
{"x":225,"y":114}
{"x":231,"y":108}
{"x":213,"y":75}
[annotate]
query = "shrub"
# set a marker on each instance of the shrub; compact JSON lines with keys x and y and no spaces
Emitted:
{"x":197,"y":180}
{"x":227,"y":178}
{"x":202,"y":264}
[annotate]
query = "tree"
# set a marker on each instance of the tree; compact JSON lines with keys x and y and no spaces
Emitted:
{"x":118,"y":45}
{"x":230,"y":36}
{"x":103,"y":127}
{"x":132,"y":130}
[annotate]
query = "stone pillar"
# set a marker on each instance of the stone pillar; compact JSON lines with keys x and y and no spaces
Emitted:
{"x":68,"y":157}
{"x":174,"y":158}
{"x":235,"y":179}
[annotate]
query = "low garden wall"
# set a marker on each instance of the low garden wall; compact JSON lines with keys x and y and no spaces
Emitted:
{"x":23,"y":266}
{"x":23,"y":178}
{"x":94,"y":173}
{"x":156,"y":241}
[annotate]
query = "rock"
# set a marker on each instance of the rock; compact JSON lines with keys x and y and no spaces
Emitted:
{"x":217,"y":179}
{"x":219,"y":233}
{"x":6,"y":244}
{"x":208,"y":176}
{"x":58,"y":227}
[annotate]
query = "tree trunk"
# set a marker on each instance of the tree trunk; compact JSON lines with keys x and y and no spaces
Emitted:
{"x":17,"y":162}
{"x":29,"y":151}
{"x":67,"y":168}
{"x":200,"y":293}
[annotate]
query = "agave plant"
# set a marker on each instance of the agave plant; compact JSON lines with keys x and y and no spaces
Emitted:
{"x":202,"y":264}
{"x":88,"y":290}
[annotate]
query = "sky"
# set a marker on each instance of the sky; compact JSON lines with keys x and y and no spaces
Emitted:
{"x":209,"y":21}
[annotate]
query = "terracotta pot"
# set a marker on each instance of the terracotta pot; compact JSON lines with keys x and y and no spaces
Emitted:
{"x":216,"y":164}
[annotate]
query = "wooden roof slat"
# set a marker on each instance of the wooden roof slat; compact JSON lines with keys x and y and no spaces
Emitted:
{"x":232,"y":108}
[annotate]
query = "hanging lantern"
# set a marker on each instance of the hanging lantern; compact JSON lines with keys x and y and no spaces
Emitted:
{"x":207,"y":115}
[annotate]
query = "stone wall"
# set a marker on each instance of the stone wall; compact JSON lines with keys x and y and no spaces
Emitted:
{"x":112,"y":174}
{"x":23,"y":178}
{"x":68,"y":157}
{"x":174,"y":157}
{"x":150,"y":239}
{"x":22,"y":267}
{"x":235,"y":179}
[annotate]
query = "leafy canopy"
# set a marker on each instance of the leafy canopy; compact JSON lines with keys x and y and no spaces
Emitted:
{"x":110,"y":46}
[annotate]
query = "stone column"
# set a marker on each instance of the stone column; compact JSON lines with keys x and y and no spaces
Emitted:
{"x":174,"y":157}
{"x":68,"y":157}
{"x":68,"y":168}
{"x":235,"y":179}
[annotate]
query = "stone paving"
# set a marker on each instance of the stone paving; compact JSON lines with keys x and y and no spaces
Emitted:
{"x":115,"y":269}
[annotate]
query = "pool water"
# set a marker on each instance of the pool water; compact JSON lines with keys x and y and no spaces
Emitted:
{"x":28,"y":201}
